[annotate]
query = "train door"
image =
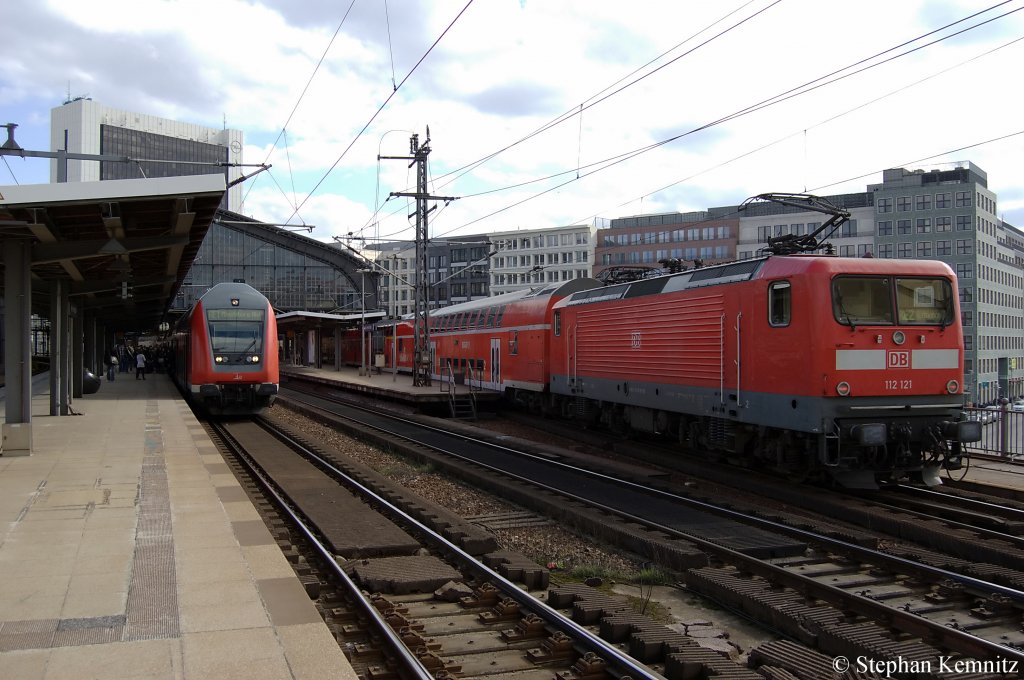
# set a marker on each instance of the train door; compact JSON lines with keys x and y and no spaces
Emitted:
{"x":571,"y":359}
{"x":496,"y":362}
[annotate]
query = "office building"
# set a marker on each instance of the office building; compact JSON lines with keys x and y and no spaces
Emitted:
{"x":160,"y":147}
{"x":532,"y":257}
{"x":646,"y":241}
{"x":951,"y":215}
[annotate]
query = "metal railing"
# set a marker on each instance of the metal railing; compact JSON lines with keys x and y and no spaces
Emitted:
{"x":1002,"y":430}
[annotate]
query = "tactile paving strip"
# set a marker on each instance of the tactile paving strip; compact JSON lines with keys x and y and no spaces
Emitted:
{"x":152,"y":610}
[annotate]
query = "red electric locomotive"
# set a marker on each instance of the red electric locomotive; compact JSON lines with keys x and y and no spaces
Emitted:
{"x":803,"y":363}
{"x":224,"y":355}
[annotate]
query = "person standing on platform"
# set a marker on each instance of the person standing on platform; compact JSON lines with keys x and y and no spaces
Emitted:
{"x":140,"y":365}
{"x":111,"y":364}
{"x":129,"y":359}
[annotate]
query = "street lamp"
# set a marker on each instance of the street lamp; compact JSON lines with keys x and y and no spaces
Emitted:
{"x":362,"y":319}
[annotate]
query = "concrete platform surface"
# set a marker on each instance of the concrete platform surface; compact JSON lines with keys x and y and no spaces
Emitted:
{"x":128,"y":550}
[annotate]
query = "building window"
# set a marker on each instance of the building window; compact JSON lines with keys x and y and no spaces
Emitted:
{"x":905,"y":250}
{"x":885,"y":228}
{"x":966,"y":295}
{"x":964,"y":270}
{"x":964,"y":247}
{"x":923,"y":202}
{"x":903,"y":204}
{"x":967,"y":318}
{"x":924,"y":248}
{"x":924,"y":225}
{"x":764,"y":233}
{"x":885,"y":250}
{"x":942,"y":248}
{"x":884,"y":205}
{"x":944,"y":223}
{"x":963,"y":199}
{"x":903,"y":226}
{"x":963,"y":222}
{"x":943,"y":200}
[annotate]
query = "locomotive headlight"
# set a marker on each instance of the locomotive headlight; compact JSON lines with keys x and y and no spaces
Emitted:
{"x":953,"y":387}
{"x":843,"y":389}
{"x":219,"y":359}
{"x":255,"y":359}
{"x":899,"y":338}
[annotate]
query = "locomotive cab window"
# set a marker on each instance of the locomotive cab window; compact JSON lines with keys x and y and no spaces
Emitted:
{"x":927,"y":301}
{"x":236,"y":330}
{"x":780,"y":303}
{"x":862,"y":300}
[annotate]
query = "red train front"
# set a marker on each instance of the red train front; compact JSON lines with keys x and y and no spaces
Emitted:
{"x":225,"y":351}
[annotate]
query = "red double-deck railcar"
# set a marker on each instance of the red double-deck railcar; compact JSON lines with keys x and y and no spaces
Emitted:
{"x":500,"y":342}
{"x":224,"y":351}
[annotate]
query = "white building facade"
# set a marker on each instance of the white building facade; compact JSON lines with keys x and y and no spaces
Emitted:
{"x":86,"y":126}
{"x":531,"y":257}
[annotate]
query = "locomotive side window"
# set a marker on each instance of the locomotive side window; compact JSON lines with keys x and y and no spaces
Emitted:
{"x":862,"y":300}
{"x":924,"y":301}
{"x":780,"y":303}
{"x":558,"y":322}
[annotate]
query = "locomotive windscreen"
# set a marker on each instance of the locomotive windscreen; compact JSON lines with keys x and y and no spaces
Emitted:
{"x":858,"y":300}
{"x":236,"y":330}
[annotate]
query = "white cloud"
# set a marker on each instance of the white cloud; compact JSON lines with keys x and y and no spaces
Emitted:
{"x":507,"y":68}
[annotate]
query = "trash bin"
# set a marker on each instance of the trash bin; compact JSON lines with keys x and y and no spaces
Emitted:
{"x":90,"y":383}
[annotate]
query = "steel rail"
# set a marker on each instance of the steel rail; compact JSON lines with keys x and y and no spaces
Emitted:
{"x":914,"y":623}
{"x":394,"y":641}
{"x":552,"y":616}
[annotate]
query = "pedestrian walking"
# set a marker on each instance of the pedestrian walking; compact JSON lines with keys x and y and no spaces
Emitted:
{"x":140,"y":365}
{"x":111,"y":364}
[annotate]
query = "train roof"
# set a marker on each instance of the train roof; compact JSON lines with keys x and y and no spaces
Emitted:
{"x":222,"y":294}
{"x":561,"y":288}
{"x":769,"y":265}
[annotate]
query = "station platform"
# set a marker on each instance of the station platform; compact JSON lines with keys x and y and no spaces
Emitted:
{"x":385,"y":385}
{"x":128,"y":550}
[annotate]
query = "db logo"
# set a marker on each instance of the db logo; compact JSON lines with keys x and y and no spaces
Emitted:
{"x":899,"y":359}
{"x":634,"y":340}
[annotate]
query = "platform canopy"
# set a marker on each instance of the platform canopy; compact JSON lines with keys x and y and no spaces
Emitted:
{"x":122,"y":246}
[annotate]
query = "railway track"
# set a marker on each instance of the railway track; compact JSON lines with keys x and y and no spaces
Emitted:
{"x":859,"y":596}
{"x":405,"y":600}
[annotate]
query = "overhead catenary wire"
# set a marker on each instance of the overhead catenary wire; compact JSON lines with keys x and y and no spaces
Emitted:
{"x":784,"y":96}
{"x":304,"y":90}
{"x":379,"y":109}
{"x":811,"y":127}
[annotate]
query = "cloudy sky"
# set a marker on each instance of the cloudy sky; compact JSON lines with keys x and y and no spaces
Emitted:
{"x":541,"y":112}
